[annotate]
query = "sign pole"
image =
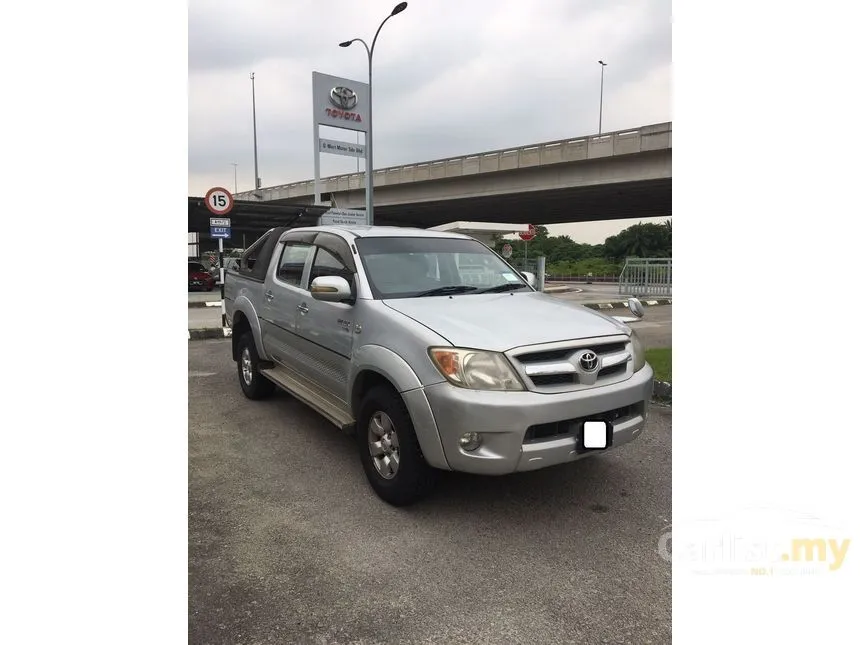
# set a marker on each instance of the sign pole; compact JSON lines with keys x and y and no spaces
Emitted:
{"x":221,"y":271}
{"x":317,"y":196}
{"x":219,"y":201}
{"x":525,"y":237}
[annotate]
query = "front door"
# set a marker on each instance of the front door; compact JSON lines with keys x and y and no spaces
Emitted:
{"x":326,"y":329}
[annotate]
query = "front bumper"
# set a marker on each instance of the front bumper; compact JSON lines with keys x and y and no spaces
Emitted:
{"x":517,"y":428}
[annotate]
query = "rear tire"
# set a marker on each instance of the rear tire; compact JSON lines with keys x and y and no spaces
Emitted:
{"x":254,"y":385}
{"x":389,"y":449}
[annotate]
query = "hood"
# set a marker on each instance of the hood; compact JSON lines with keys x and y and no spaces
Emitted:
{"x":499,"y":322}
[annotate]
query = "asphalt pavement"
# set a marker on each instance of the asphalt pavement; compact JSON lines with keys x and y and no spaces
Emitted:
{"x":288,"y":543}
{"x":655,"y":329}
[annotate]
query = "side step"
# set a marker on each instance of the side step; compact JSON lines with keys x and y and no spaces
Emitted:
{"x":329,"y":407}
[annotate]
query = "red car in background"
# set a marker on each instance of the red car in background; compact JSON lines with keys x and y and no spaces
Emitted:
{"x":199,"y":277}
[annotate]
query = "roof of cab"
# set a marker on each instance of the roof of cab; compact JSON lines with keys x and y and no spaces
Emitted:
{"x":383,"y":231}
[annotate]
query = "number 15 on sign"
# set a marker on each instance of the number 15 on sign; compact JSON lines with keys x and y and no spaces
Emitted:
{"x":219,"y":201}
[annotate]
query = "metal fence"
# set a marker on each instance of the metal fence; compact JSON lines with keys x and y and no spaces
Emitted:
{"x":585,"y":279}
{"x":646,"y":277}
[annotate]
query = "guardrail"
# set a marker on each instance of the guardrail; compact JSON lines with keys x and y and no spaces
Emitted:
{"x":621,"y":142}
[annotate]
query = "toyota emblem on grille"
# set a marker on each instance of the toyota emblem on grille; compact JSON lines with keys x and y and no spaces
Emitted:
{"x":343,"y":97}
{"x":588,"y":361}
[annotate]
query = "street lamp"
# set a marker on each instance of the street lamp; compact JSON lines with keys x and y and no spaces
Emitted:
{"x":369,"y":160}
{"x":600,"y":124}
{"x":235,"y":165}
{"x":257,"y":183}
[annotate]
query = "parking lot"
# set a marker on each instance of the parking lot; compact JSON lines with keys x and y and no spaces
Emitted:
{"x":288,"y":543}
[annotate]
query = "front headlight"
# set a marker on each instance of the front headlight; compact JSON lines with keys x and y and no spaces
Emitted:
{"x":638,"y":352}
{"x":474,"y":369}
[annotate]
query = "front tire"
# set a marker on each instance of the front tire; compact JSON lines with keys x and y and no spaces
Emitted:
{"x":389,"y":449}
{"x":254,"y":385}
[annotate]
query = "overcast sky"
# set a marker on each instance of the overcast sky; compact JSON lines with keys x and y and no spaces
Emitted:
{"x":451,"y":77}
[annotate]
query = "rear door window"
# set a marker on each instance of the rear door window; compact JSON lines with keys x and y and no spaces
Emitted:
{"x":291,"y":265}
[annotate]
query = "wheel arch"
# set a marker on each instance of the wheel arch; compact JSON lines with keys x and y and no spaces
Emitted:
{"x":245,"y":319}
{"x":374,"y":365}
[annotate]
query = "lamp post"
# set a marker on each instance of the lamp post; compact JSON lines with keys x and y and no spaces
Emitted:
{"x":600,"y":123}
{"x":257,"y":182}
{"x":369,"y":143}
{"x":235,"y":165}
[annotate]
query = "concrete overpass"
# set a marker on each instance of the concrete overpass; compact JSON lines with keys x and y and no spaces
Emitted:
{"x":617,"y":175}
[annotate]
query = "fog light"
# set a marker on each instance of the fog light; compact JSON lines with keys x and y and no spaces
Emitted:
{"x":470,"y":441}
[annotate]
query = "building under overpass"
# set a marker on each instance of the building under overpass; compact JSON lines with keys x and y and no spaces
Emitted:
{"x":250,"y":219}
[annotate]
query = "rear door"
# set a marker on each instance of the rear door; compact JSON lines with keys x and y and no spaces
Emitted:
{"x":283,"y":293}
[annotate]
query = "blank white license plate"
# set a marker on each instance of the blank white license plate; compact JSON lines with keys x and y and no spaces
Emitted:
{"x":596,"y":435}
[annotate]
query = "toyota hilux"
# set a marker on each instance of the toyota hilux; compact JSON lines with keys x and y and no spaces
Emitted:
{"x":434,"y":351}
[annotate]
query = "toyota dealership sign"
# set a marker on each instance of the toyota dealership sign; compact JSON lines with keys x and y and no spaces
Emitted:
{"x":339,"y":102}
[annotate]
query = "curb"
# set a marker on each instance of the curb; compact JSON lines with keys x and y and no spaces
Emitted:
{"x":199,"y":305}
{"x":662,"y":392}
{"x":209,"y":333}
{"x":622,"y":304}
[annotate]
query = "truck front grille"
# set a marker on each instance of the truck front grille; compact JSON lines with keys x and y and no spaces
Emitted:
{"x":556,"y":367}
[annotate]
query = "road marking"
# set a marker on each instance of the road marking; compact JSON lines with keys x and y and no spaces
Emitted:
{"x":195,"y":373}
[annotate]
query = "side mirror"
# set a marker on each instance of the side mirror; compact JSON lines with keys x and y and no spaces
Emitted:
{"x":636,"y":309}
{"x":531,"y":278}
{"x":330,"y":288}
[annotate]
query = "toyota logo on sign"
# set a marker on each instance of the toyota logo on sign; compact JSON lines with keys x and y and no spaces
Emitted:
{"x":343,"y":98}
{"x":588,"y":361}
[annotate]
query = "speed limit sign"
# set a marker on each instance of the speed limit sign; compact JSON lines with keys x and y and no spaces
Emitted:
{"x":219,"y":201}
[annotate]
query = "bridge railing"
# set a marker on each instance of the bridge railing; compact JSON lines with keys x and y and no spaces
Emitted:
{"x":621,"y":142}
{"x":646,"y":277}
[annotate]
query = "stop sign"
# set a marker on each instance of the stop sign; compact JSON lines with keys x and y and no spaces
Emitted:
{"x":530,"y":235}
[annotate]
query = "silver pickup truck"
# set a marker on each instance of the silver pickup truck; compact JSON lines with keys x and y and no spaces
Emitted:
{"x":432,"y":367}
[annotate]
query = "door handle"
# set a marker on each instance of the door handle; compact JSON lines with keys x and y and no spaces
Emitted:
{"x":269,"y":296}
{"x":303,"y":308}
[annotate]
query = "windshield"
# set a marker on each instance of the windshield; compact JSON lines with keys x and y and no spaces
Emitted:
{"x":196,"y":267}
{"x":410,"y":267}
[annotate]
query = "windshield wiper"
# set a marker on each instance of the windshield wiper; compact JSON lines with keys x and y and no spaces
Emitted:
{"x":445,"y":291}
{"x":508,"y":286}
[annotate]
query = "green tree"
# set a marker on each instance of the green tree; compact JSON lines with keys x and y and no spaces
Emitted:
{"x":640,"y":240}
